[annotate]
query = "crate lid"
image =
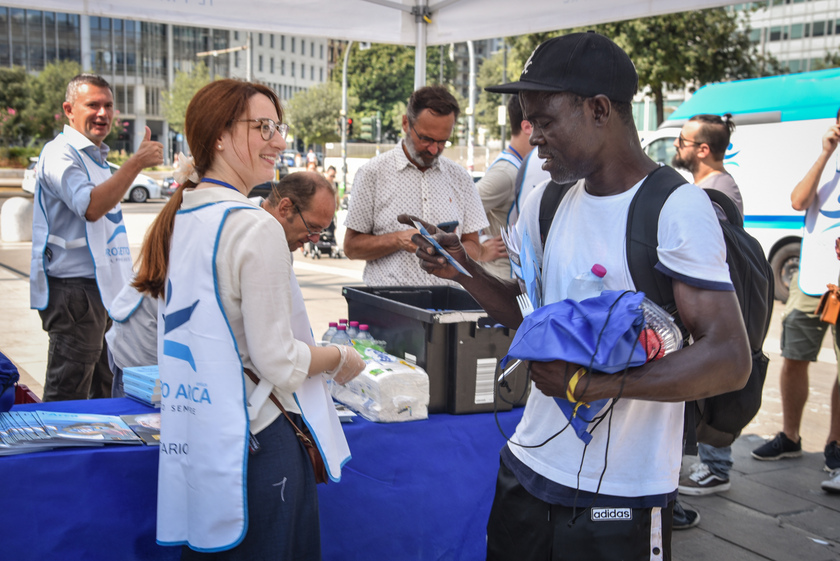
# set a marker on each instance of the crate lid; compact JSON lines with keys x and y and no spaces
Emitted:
{"x":430,"y":304}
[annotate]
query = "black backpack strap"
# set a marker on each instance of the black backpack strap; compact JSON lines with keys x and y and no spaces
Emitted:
{"x":551,"y":197}
{"x":643,"y":237}
{"x":721,"y":199}
{"x":642,"y":240}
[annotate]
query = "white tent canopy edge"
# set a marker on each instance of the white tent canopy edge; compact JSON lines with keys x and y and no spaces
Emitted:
{"x":377,"y":21}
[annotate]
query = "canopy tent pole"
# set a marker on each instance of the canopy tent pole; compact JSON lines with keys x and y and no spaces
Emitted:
{"x":344,"y":116}
{"x":421,"y":18}
{"x":471,"y":110}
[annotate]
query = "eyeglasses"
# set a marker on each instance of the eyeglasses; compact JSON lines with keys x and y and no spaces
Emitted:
{"x":268,"y":127}
{"x":310,"y":233}
{"x":426,"y":141}
{"x":682,"y":142}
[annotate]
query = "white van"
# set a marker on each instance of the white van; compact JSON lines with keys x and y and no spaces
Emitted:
{"x":780,"y":122}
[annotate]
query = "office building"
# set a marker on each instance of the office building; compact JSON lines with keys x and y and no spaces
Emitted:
{"x":140,"y":59}
{"x":798,"y":33}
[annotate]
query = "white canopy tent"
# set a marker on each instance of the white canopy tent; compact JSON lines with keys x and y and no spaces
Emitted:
{"x":403,"y":22}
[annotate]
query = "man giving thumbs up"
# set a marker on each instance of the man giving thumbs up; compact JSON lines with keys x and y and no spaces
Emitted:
{"x":80,"y":255}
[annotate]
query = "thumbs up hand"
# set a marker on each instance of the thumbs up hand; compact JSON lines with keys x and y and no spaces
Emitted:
{"x":149,"y":153}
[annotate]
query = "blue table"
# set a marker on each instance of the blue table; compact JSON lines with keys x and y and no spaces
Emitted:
{"x":413,"y":491}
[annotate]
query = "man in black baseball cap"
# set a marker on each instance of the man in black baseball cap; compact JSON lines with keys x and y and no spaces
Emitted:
{"x":587,"y":64}
{"x":557,"y":495}
{"x":580,"y":66}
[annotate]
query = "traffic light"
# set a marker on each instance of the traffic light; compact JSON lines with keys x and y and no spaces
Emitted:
{"x":349,"y":128}
{"x":368,"y":128}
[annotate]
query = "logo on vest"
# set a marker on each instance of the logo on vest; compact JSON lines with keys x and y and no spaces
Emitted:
{"x":172,"y":321}
{"x":607,"y":514}
{"x":175,"y":449}
{"x":195,"y":394}
{"x":117,"y":252}
{"x":120,"y":251}
{"x":117,"y":231}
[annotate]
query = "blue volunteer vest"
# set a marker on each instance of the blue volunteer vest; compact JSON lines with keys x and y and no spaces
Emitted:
{"x":202,"y":495}
{"x":105,"y":239}
{"x":314,"y":399}
{"x":203,"y":393}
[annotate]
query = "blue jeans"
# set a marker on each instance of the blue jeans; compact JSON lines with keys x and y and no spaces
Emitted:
{"x":719,"y":460}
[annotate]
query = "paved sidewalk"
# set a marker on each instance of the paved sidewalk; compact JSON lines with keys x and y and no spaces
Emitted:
{"x":774,"y":510}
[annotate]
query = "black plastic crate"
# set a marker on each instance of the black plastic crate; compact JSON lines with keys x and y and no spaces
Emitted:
{"x":441,"y":329}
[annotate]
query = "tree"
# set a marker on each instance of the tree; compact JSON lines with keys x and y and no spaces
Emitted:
{"x":379,"y":77}
{"x":487,"y":107}
{"x":675,"y":51}
{"x":382,"y":78}
{"x":831,"y":60}
{"x":13,"y":99}
{"x":47,"y":93}
{"x":312,"y":113}
{"x":174,"y":102}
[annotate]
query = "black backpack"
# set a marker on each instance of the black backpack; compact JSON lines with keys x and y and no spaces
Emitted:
{"x":720,"y":419}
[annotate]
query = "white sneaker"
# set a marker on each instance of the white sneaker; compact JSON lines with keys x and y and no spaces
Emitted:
{"x":702,"y":481}
{"x":832,"y":485}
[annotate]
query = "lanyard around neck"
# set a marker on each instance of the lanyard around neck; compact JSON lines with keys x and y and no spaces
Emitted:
{"x":222,"y":183}
{"x":512,"y":149}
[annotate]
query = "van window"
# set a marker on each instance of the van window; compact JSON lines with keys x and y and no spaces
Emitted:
{"x":662,"y":150}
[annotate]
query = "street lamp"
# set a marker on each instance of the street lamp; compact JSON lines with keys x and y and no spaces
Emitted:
{"x":244,"y":47}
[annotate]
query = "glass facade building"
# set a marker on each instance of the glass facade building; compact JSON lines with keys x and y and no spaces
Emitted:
{"x":139,"y":59}
{"x":798,"y":33}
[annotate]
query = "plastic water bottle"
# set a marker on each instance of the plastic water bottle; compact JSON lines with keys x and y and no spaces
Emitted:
{"x":341,"y":337}
{"x":364,"y":333}
{"x":353,"y":329}
{"x":588,"y":285}
{"x":342,"y":322}
{"x":363,"y":339}
{"x":660,"y":335}
{"x":328,"y":334}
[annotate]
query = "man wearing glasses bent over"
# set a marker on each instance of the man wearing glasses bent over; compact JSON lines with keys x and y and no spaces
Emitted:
{"x":412,"y":178}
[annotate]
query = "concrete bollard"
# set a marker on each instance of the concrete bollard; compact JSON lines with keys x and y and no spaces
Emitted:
{"x":16,"y":220}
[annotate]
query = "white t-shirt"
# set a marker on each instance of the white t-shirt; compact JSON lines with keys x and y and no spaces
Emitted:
{"x":817,"y":264}
{"x":645,"y":440}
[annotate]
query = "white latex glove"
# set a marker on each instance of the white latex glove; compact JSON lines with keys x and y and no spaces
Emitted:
{"x":350,"y":365}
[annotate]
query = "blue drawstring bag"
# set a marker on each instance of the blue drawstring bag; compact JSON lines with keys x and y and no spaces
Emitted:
{"x":600,"y":333}
{"x":8,"y":378}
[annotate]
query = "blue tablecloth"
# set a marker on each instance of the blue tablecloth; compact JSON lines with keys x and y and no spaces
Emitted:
{"x":413,"y":491}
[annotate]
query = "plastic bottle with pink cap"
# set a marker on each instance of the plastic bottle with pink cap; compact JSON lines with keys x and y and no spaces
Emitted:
{"x":587,"y":285}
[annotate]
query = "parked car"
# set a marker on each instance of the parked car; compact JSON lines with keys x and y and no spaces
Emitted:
{"x":263,"y":189}
{"x":143,"y":188}
{"x":28,"y":184}
{"x":168,"y":187}
{"x":289,"y":157}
